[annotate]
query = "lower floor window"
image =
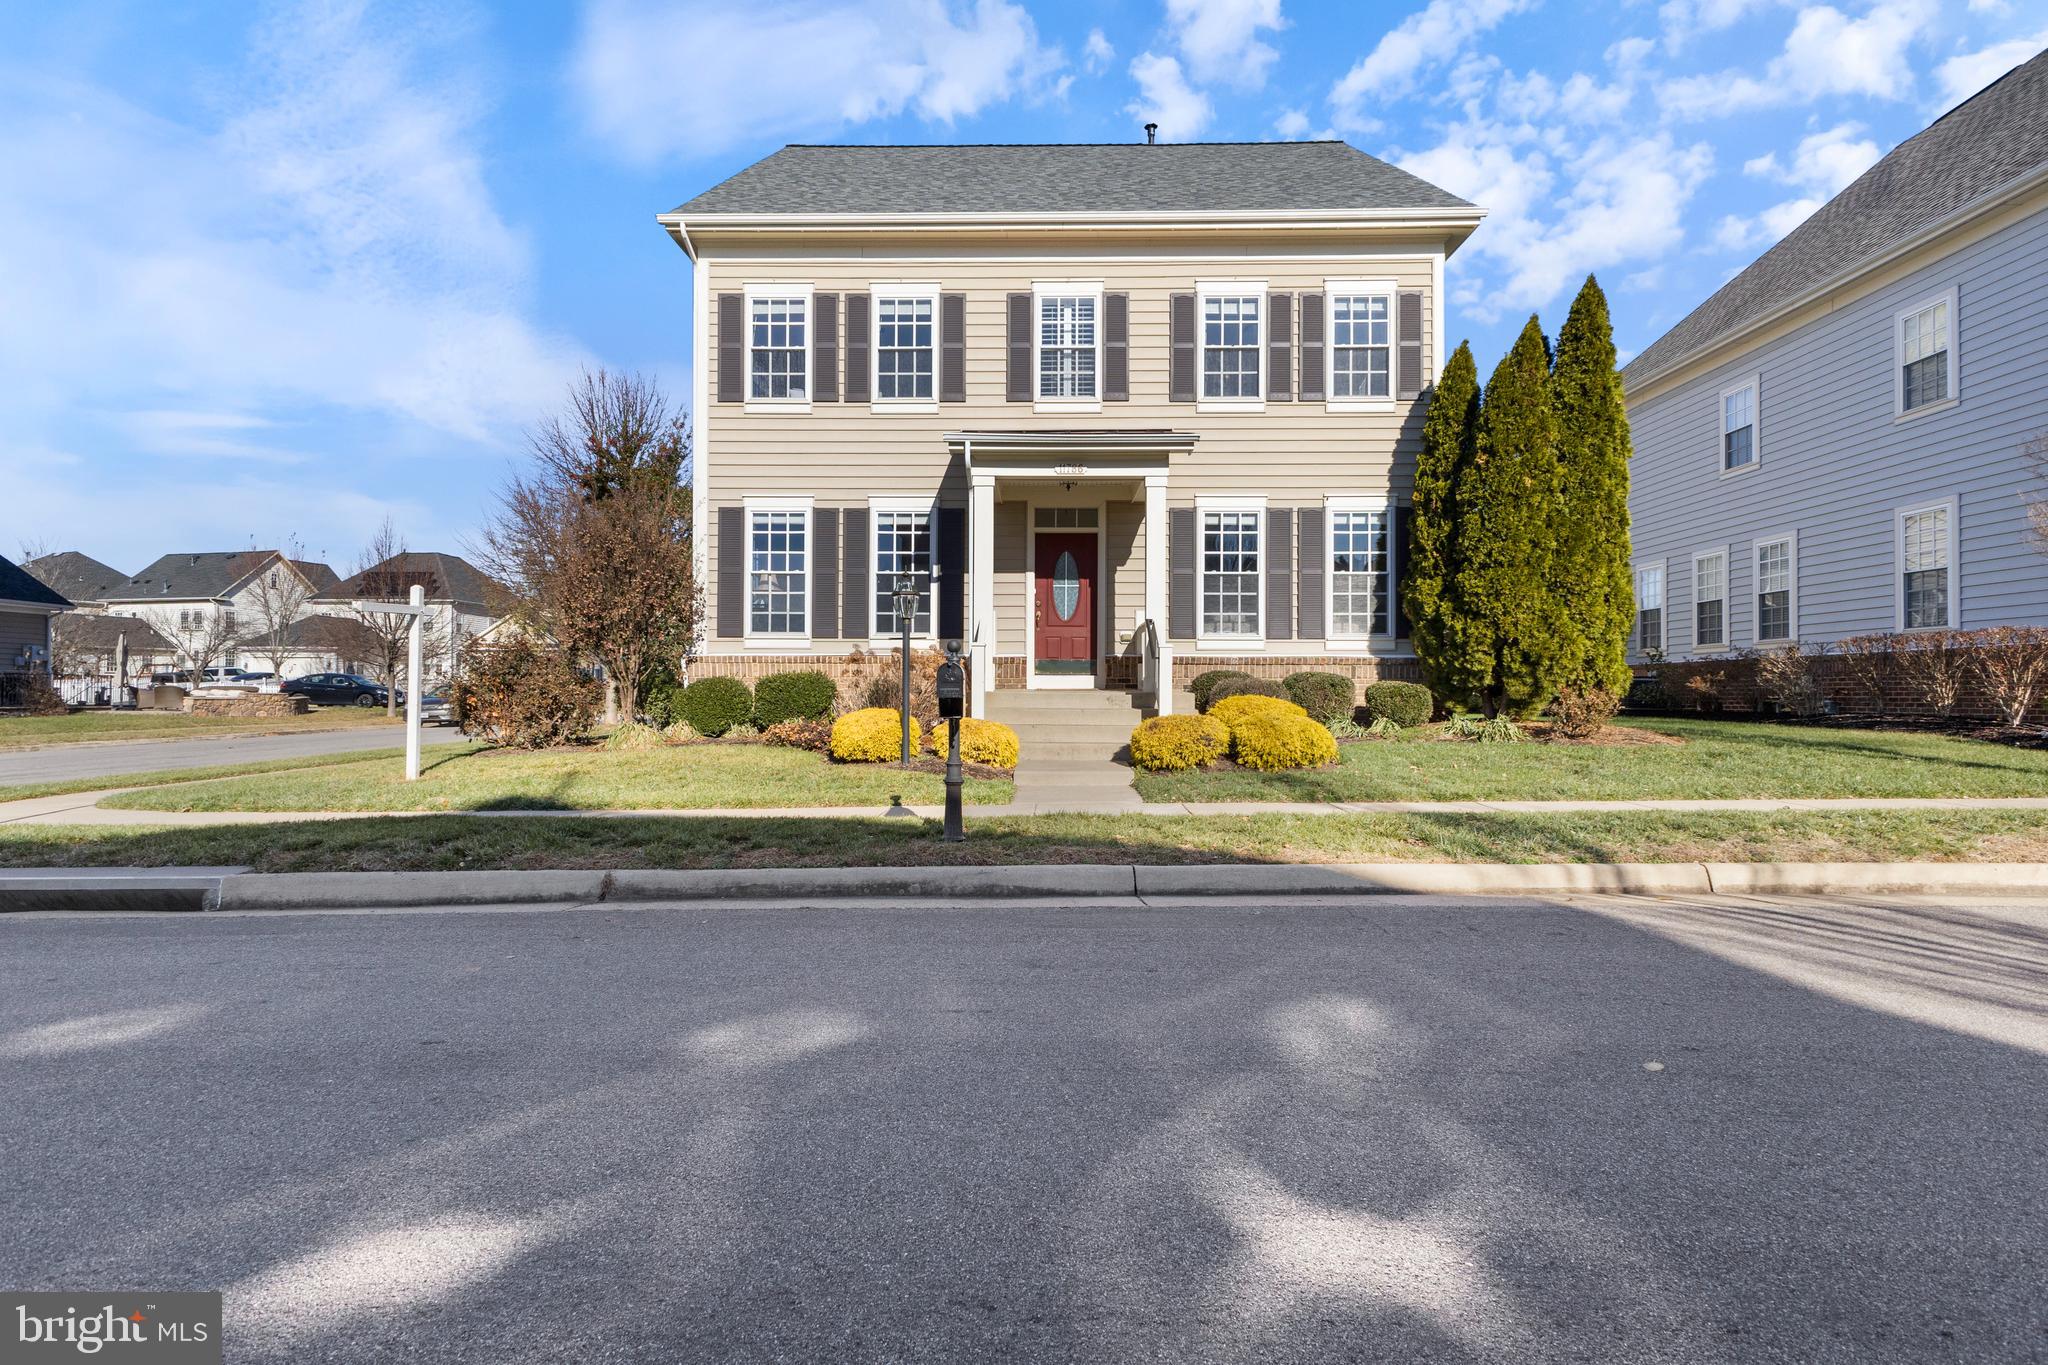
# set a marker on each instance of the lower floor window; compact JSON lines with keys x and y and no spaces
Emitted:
{"x":777,"y":573}
{"x":1710,"y":601}
{"x":1774,"y":590}
{"x":1359,"y":578}
{"x":1230,"y":573}
{"x":1650,"y":609}
{"x":1924,"y":551}
{"x":903,"y":544}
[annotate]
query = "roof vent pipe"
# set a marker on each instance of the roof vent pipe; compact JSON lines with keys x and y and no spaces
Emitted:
{"x":1151,"y":133}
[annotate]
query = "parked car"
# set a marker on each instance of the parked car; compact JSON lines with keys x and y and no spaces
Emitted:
{"x":338,"y":689}
{"x":435,"y":709}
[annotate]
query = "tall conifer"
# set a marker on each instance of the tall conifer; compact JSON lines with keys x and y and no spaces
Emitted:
{"x":1449,"y":432}
{"x":1592,"y":564}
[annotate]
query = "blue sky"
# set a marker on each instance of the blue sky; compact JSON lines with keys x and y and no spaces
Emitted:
{"x":273,"y":272}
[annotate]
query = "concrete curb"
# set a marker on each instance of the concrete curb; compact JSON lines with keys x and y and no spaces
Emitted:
{"x":232,"y":889}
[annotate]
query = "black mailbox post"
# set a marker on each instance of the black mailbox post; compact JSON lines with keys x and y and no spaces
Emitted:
{"x":952,"y":690}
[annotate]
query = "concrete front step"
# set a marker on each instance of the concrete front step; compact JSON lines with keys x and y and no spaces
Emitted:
{"x":1058,"y":750}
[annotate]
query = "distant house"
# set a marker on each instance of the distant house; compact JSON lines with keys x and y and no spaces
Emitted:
{"x":463,"y":601}
{"x":208,"y":603}
{"x":78,"y":578}
{"x":26,"y":607}
{"x":86,"y":649}
{"x":1833,"y":444}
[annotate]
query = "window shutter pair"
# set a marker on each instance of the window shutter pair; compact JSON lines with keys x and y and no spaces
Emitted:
{"x":950,"y":563}
{"x":1116,"y":349}
{"x":1279,"y":353}
{"x":1181,"y":555}
{"x":1279,"y":573}
{"x":1408,"y":344}
{"x":732,"y":572}
{"x":1312,"y":362}
{"x":1311,"y":553}
{"x":732,"y":348}
{"x":1181,"y":367}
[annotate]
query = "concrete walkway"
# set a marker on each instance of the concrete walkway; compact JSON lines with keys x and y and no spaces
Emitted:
{"x":82,"y":808}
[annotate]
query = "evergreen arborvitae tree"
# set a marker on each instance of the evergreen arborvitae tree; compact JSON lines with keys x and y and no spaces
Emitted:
{"x":1591,"y":573}
{"x":1502,"y":648}
{"x":1449,"y":431}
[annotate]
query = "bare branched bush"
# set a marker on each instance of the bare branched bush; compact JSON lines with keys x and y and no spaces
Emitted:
{"x":1935,"y":664}
{"x":1582,"y":712}
{"x":2010,"y":663}
{"x":1789,"y":678}
{"x":1872,"y":663}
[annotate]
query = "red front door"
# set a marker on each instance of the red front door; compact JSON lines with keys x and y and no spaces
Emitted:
{"x":1065,"y":610}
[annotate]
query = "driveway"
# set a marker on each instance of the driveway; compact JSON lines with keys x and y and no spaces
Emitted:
{"x":1396,"y":1129}
{"x":69,"y":762}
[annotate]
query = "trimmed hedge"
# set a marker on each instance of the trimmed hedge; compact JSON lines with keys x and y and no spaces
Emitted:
{"x":804,"y":695}
{"x":712,"y":706}
{"x":1234,"y":711}
{"x":1247,"y":687}
{"x":1406,"y":704}
{"x":874,"y":734}
{"x":1327,"y":697}
{"x":1203,"y":682}
{"x":1272,"y":742}
{"x":1171,"y":743}
{"x":988,"y":742}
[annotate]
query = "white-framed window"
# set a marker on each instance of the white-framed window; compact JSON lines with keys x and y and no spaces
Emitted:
{"x":779,"y":344}
{"x":1710,"y":600}
{"x":902,"y":543}
{"x":779,"y":568}
{"x":1926,"y":369}
{"x":1777,"y":589}
{"x":905,"y":344}
{"x":1650,"y":608}
{"x":1231,"y":317}
{"x":1927,"y":566}
{"x":1741,"y":427}
{"x":1360,"y":354}
{"x":1361,"y":568}
{"x":1067,"y":342}
{"x":1231,"y":574}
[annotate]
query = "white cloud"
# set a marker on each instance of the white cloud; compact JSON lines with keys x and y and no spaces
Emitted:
{"x":662,"y":78}
{"x":1686,"y":19}
{"x":1427,"y":39}
{"x":1964,"y":75}
{"x":1292,"y":123}
{"x":1736,"y":233}
{"x":1827,"y":53}
{"x":1824,"y":162}
{"x":1097,"y":52}
{"x":1166,"y":98}
{"x":1218,"y":39}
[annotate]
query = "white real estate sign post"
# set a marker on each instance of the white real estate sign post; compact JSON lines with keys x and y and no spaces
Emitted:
{"x":416,"y":608}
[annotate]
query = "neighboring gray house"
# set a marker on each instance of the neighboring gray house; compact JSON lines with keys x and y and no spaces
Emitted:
{"x":78,"y":578}
{"x":463,"y":602}
{"x":1833,"y":443}
{"x":26,"y":606}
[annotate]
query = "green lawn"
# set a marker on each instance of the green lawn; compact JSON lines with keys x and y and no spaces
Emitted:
{"x":1717,"y":759}
{"x":431,"y":843}
{"x":29,"y":732}
{"x":686,"y":777}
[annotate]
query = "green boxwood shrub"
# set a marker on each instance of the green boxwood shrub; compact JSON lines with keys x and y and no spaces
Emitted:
{"x":1327,"y":697}
{"x":663,"y":704}
{"x":1205,"y":681}
{"x":805,"y":695}
{"x":1406,"y":704}
{"x":1245,"y":685}
{"x":712,"y":706}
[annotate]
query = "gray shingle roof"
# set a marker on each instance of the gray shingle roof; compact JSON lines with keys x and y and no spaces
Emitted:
{"x":99,"y":633}
{"x":1172,"y":177}
{"x":19,"y":585}
{"x":446,"y":578}
{"x":1994,"y":138}
{"x":78,"y":577}
{"x":208,"y":574}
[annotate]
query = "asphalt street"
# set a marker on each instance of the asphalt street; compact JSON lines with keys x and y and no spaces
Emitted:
{"x":1392,"y":1129}
{"x":70,"y":762}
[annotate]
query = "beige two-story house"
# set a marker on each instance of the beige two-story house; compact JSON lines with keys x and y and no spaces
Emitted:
{"x":1127,"y":413}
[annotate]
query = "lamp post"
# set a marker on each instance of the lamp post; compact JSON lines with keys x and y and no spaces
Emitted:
{"x":906,"y":617}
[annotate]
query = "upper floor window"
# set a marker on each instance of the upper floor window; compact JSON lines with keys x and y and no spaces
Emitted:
{"x":1650,"y":608}
{"x":1231,"y":600}
{"x":778,"y":570}
{"x":1233,"y":353}
{"x":1739,"y":426}
{"x":1710,"y":600}
{"x":1068,"y":345}
{"x":1774,"y":576}
{"x":903,"y":544}
{"x":905,"y":354}
{"x":1927,"y":549}
{"x":1361,"y":345}
{"x":1361,"y":578}
{"x":1924,"y":338}
{"x":778,"y":347}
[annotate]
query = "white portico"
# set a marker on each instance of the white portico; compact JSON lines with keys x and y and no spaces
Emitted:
{"x":1067,"y":568}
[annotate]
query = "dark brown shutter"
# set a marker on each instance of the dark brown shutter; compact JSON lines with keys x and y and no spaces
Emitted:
{"x":1310,"y":557}
{"x":1181,"y":551}
{"x":1280,"y":350}
{"x":853,"y":577}
{"x":1181,"y":329}
{"x":858,"y":368}
{"x":1017,"y":385}
{"x":1402,"y":517}
{"x":1116,"y":348}
{"x":952,"y":348}
{"x":732,"y":348}
{"x":1279,"y":557}
{"x":825,"y":573}
{"x":825,"y":348}
{"x":732,"y":572}
{"x":1408,"y":362}
{"x":951,"y":556}
{"x":1312,"y":348}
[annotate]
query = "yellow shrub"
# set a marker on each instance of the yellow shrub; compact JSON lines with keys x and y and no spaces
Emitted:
{"x":1281,"y":741}
{"x":1170,"y":743}
{"x":1234,"y":711}
{"x":981,"y":741}
{"x":873,"y":735}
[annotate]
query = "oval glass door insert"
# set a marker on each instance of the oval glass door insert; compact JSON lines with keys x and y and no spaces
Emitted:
{"x":1066,"y":586}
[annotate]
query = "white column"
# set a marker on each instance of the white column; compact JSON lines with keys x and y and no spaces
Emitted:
{"x":981,"y":617}
{"x":1155,"y":584}
{"x":412,"y":684}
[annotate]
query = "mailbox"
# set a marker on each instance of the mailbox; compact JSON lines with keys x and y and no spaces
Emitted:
{"x":952,"y":689}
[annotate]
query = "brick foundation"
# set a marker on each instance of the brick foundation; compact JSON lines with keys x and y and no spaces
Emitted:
{"x":1362,"y":672}
{"x":1739,"y":694}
